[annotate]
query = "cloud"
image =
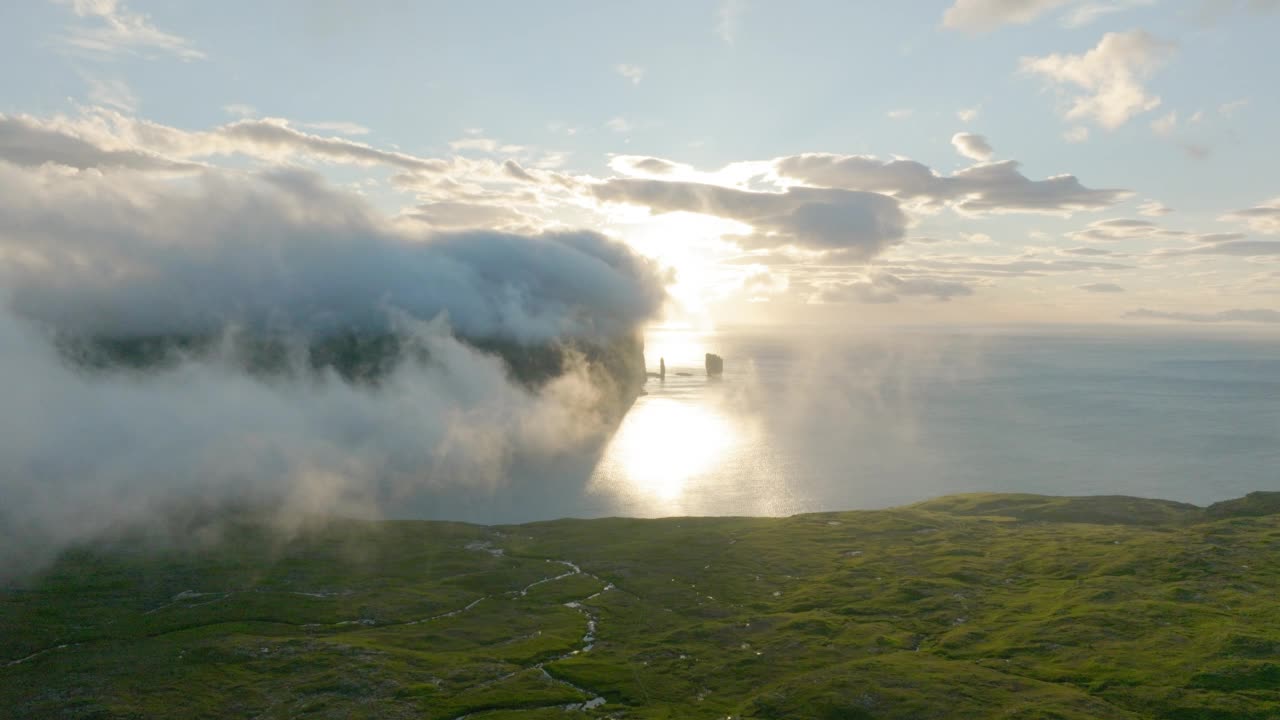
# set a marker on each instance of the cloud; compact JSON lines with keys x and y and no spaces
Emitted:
{"x":1153,"y":208}
{"x":1165,"y":124}
{"x":634,"y":73}
{"x":483,"y":144}
{"x":1264,"y":218}
{"x":985,"y":188}
{"x":452,"y":214}
{"x":1021,"y":266}
{"x":111,"y":29}
{"x":900,"y":114}
{"x":112,"y":92}
{"x":982,"y":15}
{"x":887,"y":288}
{"x":618,"y":124}
{"x":1229,"y":110}
{"x":863,"y":223}
{"x":92,"y":254}
{"x":642,"y":165}
{"x":974,"y":147}
{"x":1196,"y":151}
{"x":1255,"y":315}
{"x":106,"y":138}
{"x":1115,"y":229}
{"x":1101,"y":287}
{"x":729,"y":19}
{"x":968,"y":114}
{"x":1089,"y":12}
{"x":28,"y":141}
{"x":271,"y":135}
{"x":1239,"y":248}
{"x":1077,"y":134}
{"x":1108,"y":78}
{"x":1118,"y":229}
{"x":338,"y":126}
{"x":1090,"y":251}
{"x":229,"y":255}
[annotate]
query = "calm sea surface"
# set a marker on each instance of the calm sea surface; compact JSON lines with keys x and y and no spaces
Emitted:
{"x":805,"y":422}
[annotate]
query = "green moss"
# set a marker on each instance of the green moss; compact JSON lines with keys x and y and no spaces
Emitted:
{"x":976,"y":606}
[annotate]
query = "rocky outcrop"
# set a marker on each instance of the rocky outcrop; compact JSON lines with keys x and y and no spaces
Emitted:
{"x":616,"y":364}
{"x":715,"y":365}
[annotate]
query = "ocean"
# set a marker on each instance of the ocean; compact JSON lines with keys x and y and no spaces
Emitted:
{"x":808,"y":421}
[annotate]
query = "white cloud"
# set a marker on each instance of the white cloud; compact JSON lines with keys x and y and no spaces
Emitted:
{"x":634,"y":73}
{"x":1229,"y":110}
{"x":1264,"y":218}
{"x":1088,"y":12}
{"x":1153,"y":208}
{"x":900,"y":114}
{"x":1077,"y":134}
{"x":990,"y":14}
{"x":983,"y":15}
{"x":483,"y":144}
{"x":109,"y":138}
{"x":618,"y":124}
{"x":112,"y":92}
{"x":974,"y":147}
{"x":729,"y":19}
{"x":240,"y":110}
{"x":111,"y":29}
{"x":339,"y":127}
{"x":968,"y":114}
{"x":1108,"y":79}
{"x":1165,"y":124}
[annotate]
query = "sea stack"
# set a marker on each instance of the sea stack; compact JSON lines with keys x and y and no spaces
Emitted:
{"x":715,"y":365}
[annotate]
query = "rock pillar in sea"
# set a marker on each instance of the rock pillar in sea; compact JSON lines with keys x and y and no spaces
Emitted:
{"x":662,"y":368}
{"x":715,"y":365}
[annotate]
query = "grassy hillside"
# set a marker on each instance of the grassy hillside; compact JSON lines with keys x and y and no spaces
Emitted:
{"x":975,"y":606}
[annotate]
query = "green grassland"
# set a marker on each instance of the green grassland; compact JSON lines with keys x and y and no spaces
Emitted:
{"x":973,"y":606}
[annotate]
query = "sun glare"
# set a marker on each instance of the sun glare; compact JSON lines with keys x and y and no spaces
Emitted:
{"x":665,"y":443}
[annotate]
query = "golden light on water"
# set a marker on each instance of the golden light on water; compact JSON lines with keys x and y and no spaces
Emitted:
{"x":663,"y":443}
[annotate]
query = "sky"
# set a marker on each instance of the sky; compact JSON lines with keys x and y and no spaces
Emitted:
{"x":842,"y":163}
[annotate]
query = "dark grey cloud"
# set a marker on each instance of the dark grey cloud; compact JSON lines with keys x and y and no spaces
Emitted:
{"x":863,"y":223}
{"x":1252,"y":315}
{"x":888,"y":288}
{"x":985,"y":188}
